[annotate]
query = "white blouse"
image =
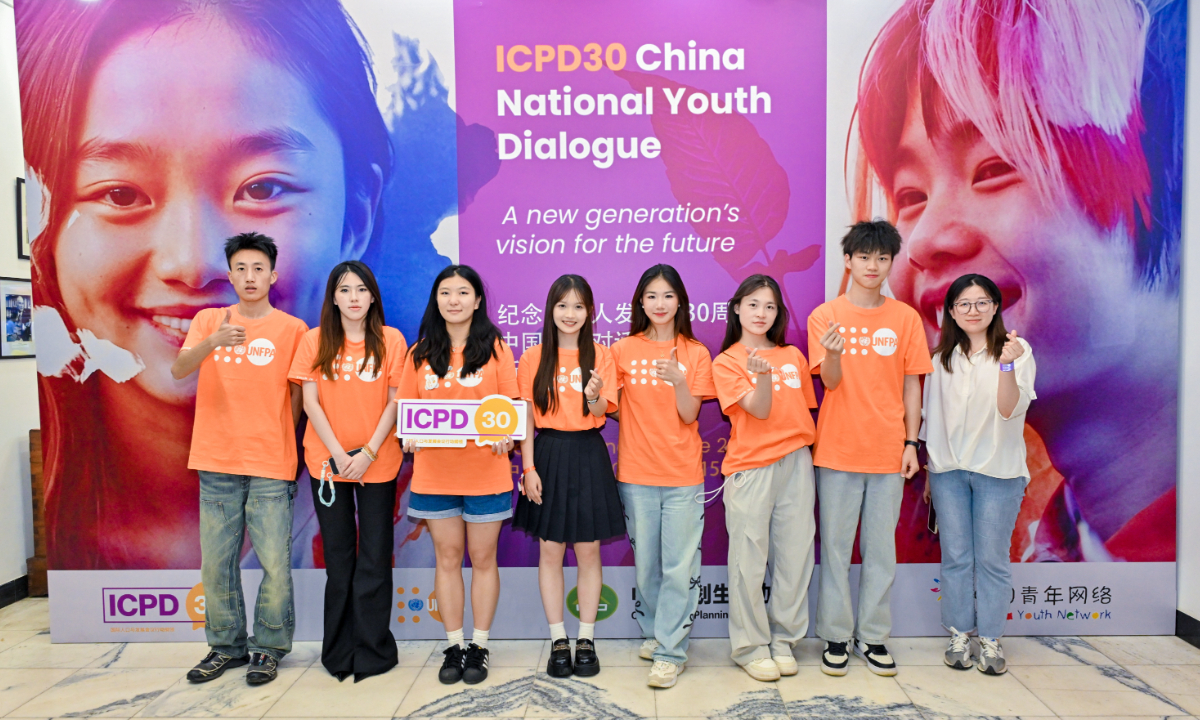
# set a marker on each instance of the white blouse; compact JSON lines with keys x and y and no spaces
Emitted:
{"x":963,"y":428}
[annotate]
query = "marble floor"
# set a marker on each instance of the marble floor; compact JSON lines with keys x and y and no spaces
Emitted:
{"x":1127,"y":677}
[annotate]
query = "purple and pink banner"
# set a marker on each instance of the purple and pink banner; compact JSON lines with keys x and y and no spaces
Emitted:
{"x":687,"y":137}
{"x":532,"y":138}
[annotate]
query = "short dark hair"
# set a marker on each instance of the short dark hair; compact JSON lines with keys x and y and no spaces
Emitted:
{"x":872,"y":236}
{"x":250,"y":241}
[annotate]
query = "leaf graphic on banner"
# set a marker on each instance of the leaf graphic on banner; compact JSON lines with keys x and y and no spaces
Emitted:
{"x":720,"y":160}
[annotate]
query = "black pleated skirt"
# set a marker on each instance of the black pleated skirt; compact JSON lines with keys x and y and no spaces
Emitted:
{"x":580,"y":502}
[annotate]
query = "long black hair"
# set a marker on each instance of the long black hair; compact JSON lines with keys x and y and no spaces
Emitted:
{"x":544,"y":380}
{"x":733,"y":327}
{"x":433,"y":341}
{"x":333,"y":336}
{"x":955,"y":337}
{"x":639,"y":321}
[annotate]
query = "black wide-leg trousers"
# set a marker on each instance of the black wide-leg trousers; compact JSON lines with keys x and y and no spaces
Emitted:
{"x":358,"y":577}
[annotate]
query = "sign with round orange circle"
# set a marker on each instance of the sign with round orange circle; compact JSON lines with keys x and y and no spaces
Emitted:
{"x":496,"y":418}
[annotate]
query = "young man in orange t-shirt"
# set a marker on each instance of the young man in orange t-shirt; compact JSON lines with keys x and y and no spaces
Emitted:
{"x":870,"y":351}
{"x":244,"y":447}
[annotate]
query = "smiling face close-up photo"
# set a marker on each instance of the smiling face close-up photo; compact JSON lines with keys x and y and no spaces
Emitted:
{"x":230,"y":145}
{"x":992,"y":164}
{"x":1067,"y":284}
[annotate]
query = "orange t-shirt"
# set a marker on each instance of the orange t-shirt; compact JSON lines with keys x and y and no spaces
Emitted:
{"x":243,"y":399}
{"x":654,"y":446}
{"x":353,"y":401}
{"x":861,"y":424}
{"x":471,"y":470}
{"x":570,"y":381}
{"x":755,"y":443}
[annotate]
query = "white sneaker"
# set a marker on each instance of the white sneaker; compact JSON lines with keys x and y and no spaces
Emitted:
{"x":787,"y":664}
{"x":763,"y":669}
{"x":664,"y":673}
{"x":646,"y":651}
{"x":958,"y":653}
{"x":835,"y":660}
{"x":877,"y":658}
{"x":991,"y":657}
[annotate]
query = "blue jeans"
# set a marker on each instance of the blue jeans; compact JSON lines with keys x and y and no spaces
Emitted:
{"x":229,"y":506}
{"x":473,"y":508}
{"x":665,"y":525}
{"x":976,"y":515}
{"x":847,"y":497}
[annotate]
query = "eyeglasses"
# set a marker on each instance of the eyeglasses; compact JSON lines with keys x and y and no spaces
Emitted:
{"x":964,"y":306}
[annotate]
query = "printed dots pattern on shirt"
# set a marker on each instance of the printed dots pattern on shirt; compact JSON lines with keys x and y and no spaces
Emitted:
{"x":432,"y":381}
{"x":863,"y":342}
{"x":573,"y":378}
{"x":259,"y":351}
{"x":651,"y":373}
{"x":347,"y":366}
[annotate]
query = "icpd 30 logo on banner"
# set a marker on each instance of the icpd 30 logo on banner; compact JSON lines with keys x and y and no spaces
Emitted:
{"x":154,"y":605}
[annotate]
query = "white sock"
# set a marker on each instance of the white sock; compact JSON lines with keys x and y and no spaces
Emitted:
{"x":587,"y":631}
{"x":479,"y":637}
{"x":455,"y":637}
{"x":557,"y":632}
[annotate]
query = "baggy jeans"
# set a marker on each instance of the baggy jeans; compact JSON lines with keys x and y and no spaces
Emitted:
{"x":230,"y":505}
{"x":845,"y":497}
{"x":665,"y":525}
{"x":769,"y":515}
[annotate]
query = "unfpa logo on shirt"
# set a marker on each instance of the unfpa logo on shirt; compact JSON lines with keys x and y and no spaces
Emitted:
{"x":790,"y":374}
{"x":884,"y":341}
{"x":260,"y":351}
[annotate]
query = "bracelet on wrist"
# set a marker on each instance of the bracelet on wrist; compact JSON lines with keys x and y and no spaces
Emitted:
{"x":594,"y":400}
{"x":366,"y":450}
{"x":528,"y":470}
{"x":1006,"y":367}
{"x":914,"y":443}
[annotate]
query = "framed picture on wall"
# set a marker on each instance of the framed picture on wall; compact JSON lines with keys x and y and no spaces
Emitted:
{"x":17,"y":338}
{"x":22,"y":222}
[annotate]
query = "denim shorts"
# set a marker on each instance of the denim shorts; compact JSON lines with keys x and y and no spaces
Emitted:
{"x":473,"y":508}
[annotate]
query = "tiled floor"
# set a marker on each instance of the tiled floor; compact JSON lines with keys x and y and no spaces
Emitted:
{"x":1128,"y":677}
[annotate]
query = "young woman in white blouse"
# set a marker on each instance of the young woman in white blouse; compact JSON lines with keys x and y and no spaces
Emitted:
{"x":975,"y":404}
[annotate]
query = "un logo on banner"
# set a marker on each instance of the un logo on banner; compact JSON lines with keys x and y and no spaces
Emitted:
{"x":608,"y":602}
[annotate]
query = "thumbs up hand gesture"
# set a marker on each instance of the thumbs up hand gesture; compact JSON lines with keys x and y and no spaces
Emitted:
{"x":669,"y":370}
{"x":227,"y":334}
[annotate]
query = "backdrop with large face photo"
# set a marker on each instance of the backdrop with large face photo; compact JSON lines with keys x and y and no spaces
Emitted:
{"x":529,"y":139}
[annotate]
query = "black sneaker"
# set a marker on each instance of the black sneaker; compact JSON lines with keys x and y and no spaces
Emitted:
{"x":452,"y":666}
{"x":214,"y":665}
{"x":559,"y":664}
{"x":586,"y":662}
{"x":835,"y":660}
{"x":878,"y":660}
{"x":263,"y":669}
{"x":475,"y":665}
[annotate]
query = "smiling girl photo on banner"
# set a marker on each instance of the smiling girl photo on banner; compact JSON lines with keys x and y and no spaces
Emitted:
{"x":1039,"y":142}
{"x":152,"y":132}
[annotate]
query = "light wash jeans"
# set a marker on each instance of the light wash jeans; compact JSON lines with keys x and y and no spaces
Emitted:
{"x":229,"y":506}
{"x":665,"y":525}
{"x":976,"y":515}
{"x":769,"y":515}
{"x":844,"y":496}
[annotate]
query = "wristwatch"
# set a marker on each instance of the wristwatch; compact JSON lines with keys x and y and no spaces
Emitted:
{"x":914,"y":443}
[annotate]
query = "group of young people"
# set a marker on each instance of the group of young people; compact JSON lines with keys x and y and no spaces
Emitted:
{"x":259,"y":367}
